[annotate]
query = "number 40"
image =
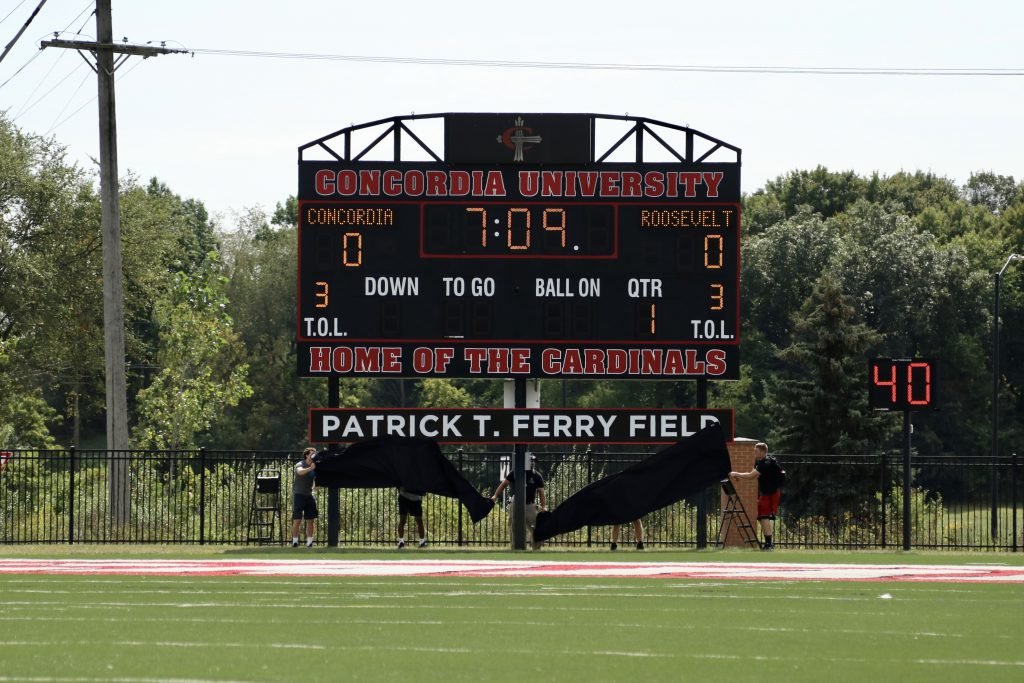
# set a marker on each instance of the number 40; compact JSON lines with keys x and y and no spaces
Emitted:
{"x":924,"y":383}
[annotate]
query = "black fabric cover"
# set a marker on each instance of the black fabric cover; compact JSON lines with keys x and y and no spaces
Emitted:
{"x":683,"y":469}
{"x":415,"y":463}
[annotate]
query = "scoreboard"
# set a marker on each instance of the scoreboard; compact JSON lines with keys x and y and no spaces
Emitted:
{"x":903,"y":384}
{"x":496,"y":269}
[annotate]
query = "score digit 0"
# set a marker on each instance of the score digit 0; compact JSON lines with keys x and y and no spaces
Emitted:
{"x":716,"y":242}
{"x":352,"y":249}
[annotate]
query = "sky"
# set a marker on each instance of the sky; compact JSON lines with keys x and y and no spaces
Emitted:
{"x":225,"y":129}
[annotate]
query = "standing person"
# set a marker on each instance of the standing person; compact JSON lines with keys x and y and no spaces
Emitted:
{"x":410,"y":503}
{"x":303,"y":500}
{"x":638,"y":533}
{"x":534,"y":491}
{"x":768,"y":493}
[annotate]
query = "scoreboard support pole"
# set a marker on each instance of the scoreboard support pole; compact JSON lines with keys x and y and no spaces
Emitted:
{"x":906,"y":385}
{"x":519,"y":468}
{"x":908,"y":429}
{"x":702,"y":497}
{"x":333,"y":493}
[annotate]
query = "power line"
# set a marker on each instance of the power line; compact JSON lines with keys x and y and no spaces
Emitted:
{"x":13,"y":10}
{"x":70,"y":116}
{"x":68,"y":103}
{"x":25,"y":105}
{"x":35,"y":55}
{"x":585,"y":66}
{"x":31,"y":59}
{"x":32,"y":16}
{"x":87,"y":6}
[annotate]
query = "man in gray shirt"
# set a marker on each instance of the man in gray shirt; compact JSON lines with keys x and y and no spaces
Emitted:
{"x":303,"y":501}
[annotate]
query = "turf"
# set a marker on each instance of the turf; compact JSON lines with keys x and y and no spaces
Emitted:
{"x":310,"y":628}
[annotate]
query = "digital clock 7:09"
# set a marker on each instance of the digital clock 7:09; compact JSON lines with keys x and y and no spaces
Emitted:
{"x":519,"y":271}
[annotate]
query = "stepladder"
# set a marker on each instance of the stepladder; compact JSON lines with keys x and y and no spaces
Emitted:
{"x":265,"y":508}
{"x":735,"y":517}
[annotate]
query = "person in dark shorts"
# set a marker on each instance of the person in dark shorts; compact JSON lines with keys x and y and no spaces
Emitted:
{"x":303,"y":500}
{"x":410,"y":503}
{"x":767,"y":495}
{"x":638,"y":535}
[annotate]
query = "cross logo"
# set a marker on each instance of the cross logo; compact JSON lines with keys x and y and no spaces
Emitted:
{"x":518,"y":138}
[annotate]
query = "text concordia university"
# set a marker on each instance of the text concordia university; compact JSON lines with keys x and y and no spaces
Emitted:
{"x":532,"y":183}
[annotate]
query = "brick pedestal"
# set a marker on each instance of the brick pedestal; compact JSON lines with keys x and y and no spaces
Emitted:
{"x":741,"y":454}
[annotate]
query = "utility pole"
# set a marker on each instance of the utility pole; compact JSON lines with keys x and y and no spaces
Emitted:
{"x":103,"y":49}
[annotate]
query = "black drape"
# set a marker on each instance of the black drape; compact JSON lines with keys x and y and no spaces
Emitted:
{"x":683,"y":469}
{"x":415,"y":463}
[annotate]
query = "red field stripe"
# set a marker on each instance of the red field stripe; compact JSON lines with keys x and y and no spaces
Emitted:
{"x":524,"y":568}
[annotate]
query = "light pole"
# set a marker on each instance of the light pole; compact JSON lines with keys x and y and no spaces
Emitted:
{"x":995,"y":394}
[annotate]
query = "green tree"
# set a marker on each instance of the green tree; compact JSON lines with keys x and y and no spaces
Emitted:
{"x":199,"y":356}
{"x":746,"y":397}
{"x":444,"y":393}
{"x":994,"y":192}
{"x":261,"y":261}
{"x":818,"y":403}
{"x":25,"y":417}
{"x":286,"y":213}
{"x":927,"y":299}
{"x":911,"y":193}
{"x":779,"y":267}
{"x":819,"y":191}
{"x":50,"y":286}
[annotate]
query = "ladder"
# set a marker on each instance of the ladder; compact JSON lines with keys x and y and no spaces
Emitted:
{"x":265,"y":509}
{"x":735,"y":515}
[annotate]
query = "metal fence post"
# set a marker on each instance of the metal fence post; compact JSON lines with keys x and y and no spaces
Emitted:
{"x":906,"y":480}
{"x":202,"y":495}
{"x":461,"y":469}
{"x":590,"y":480}
{"x":884,"y":488}
{"x":1014,"y":483}
{"x":71,"y":495}
{"x":702,"y":496}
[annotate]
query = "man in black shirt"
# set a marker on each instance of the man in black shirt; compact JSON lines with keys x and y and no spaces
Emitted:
{"x":768,"y":494}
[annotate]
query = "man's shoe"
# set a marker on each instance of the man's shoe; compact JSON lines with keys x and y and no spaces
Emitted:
{"x":640,"y":545}
{"x":614,"y":546}
{"x":401,"y":544}
{"x":768,"y":547}
{"x":295,"y":544}
{"x":422,"y":543}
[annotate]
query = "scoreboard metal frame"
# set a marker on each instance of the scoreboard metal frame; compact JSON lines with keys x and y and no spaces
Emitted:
{"x":519,"y":251}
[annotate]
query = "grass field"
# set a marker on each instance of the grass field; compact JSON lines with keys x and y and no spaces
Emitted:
{"x":308,"y":627}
